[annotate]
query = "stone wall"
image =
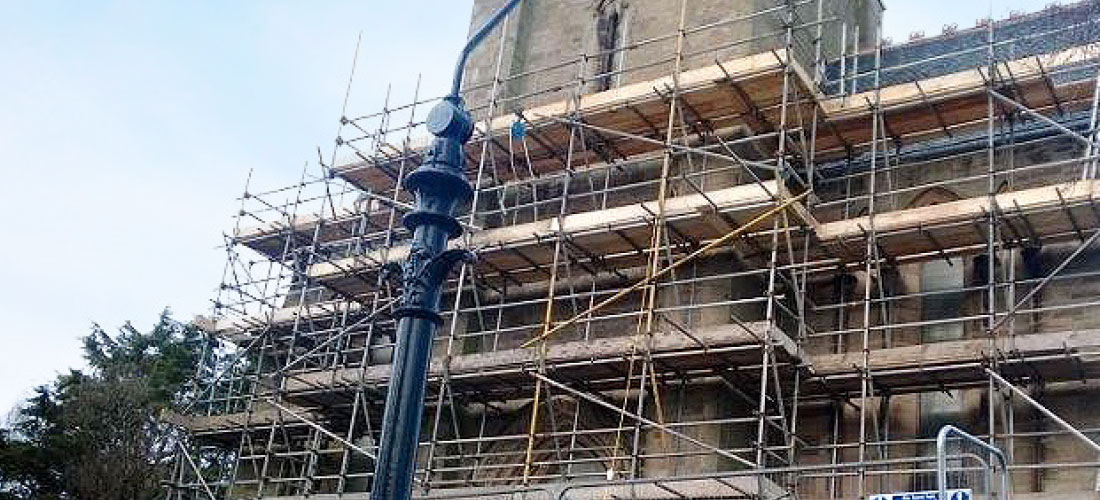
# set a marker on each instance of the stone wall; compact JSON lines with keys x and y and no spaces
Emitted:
{"x":552,"y":48}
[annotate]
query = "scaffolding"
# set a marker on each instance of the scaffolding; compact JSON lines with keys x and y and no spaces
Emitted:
{"x":759,"y":266}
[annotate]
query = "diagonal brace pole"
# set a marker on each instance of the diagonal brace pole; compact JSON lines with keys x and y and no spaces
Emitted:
{"x":320,"y":428}
{"x":730,"y":236}
{"x":592,"y":399}
{"x":1042,"y":409}
{"x":1041,"y":117}
{"x":198,"y":473}
{"x":1065,"y":262}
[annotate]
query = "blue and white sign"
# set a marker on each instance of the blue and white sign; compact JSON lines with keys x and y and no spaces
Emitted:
{"x":965,"y":494}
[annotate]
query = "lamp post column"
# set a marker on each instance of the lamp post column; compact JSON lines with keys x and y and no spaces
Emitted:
{"x":440,"y":186}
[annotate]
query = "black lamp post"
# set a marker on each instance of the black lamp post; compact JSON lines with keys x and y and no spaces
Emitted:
{"x":440,"y":186}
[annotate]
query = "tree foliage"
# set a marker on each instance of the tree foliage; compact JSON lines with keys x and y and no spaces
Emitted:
{"x":95,"y":434}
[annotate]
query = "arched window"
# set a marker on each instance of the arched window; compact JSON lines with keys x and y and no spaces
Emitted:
{"x":609,"y":39}
{"x":933,"y":196}
{"x":941,"y":279}
{"x":941,"y":282}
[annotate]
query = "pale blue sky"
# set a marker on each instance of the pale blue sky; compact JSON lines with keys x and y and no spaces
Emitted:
{"x":127,"y":129}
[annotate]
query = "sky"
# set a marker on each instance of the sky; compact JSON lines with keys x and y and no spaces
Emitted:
{"x":128,"y":128}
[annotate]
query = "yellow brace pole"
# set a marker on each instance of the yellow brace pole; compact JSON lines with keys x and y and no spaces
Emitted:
{"x":659,"y":274}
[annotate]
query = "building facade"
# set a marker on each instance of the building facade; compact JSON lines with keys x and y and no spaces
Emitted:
{"x":726,"y":250}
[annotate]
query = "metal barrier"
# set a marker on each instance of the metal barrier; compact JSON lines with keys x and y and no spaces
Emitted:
{"x":988,"y":469}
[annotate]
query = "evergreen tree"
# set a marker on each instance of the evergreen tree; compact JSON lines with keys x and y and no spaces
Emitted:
{"x":95,"y":434}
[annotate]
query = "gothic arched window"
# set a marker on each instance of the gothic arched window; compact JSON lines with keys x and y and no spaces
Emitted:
{"x":609,"y":38}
